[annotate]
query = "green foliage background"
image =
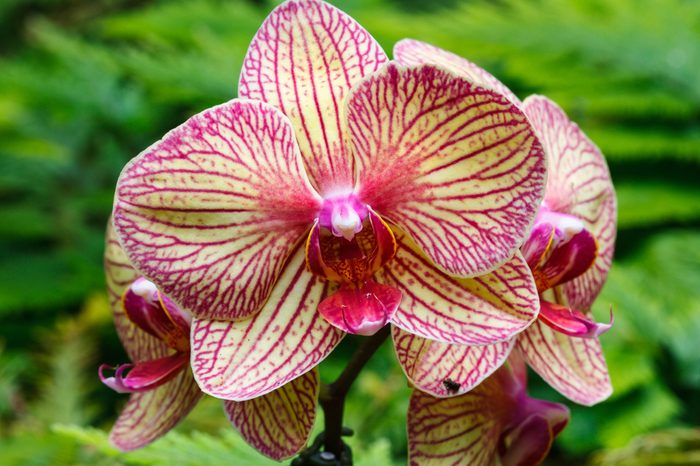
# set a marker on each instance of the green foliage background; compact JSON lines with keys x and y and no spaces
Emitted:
{"x":87,"y":84}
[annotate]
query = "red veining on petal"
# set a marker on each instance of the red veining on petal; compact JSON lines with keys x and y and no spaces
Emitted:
{"x":211,"y":212}
{"x":496,"y":419}
{"x":149,"y":415}
{"x":278,"y":424}
{"x":246,"y":359}
{"x":476,"y":311}
{"x":414,"y":52}
{"x":444,"y":369}
{"x":304,"y":59}
{"x":573,"y":366}
{"x":455,"y":165}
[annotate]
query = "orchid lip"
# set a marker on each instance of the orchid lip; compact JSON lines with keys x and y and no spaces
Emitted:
{"x":572,"y":322}
{"x":156,"y":314}
{"x":144,"y":376}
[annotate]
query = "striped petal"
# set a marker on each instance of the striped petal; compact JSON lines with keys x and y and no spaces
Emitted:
{"x":278,"y":424}
{"x":573,"y":366}
{"x":304,"y":60}
{"x":459,"y":431}
{"x":288,"y":337}
{"x":149,"y":415}
{"x":139,"y":345}
{"x":414,"y":52}
{"x":444,"y":370}
{"x":455,"y":165}
{"x":475,"y":311}
{"x":211,"y":212}
{"x":579,"y":184}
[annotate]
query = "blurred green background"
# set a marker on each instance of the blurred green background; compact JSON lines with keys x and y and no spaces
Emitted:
{"x":87,"y":84}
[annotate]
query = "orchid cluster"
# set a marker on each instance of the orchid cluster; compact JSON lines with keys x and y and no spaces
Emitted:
{"x":343,"y":192}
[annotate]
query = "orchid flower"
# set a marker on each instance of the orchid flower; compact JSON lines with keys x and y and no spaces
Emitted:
{"x":571,"y":245}
{"x":497,"y":423}
{"x":337,"y":194}
{"x":155,"y":335}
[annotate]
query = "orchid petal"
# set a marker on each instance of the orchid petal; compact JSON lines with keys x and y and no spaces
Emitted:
{"x":304,"y":60}
{"x":139,"y":345}
{"x":573,"y":366}
{"x":414,"y":52}
{"x":362,"y":310}
{"x":288,"y":337}
{"x":443,"y":369}
{"x":475,"y":311}
{"x":460,"y":431}
{"x":149,"y":415}
{"x":579,"y":184}
{"x":145,"y":375}
{"x":571,"y":322}
{"x":455,"y":165}
{"x":278,"y":424}
{"x":211,"y":212}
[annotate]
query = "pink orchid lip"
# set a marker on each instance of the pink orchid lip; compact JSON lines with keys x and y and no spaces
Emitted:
{"x":145,"y":375}
{"x":156,"y":314}
{"x":572,"y":322}
{"x":559,"y":249}
{"x":362,"y":310}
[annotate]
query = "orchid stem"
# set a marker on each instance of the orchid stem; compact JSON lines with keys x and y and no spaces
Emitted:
{"x":332,"y":396}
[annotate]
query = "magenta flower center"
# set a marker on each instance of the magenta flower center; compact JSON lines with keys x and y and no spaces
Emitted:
{"x":347,"y":245}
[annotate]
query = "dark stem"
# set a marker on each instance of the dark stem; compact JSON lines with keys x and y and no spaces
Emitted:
{"x":332,"y":396}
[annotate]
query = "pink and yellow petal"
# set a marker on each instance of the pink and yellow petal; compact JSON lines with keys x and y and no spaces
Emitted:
{"x":455,"y":165}
{"x":579,"y":184}
{"x":278,"y":424}
{"x":211,"y":212}
{"x":304,"y":59}
{"x":414,"y":52}
{"x":287,"y":338}
{"x":139,"y":345}
{"x":443,"y":369}
{"x":459,"y":431}
{"x":151,"y":414}
{"x":476,"y":311}
{"x":573,"y":366}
